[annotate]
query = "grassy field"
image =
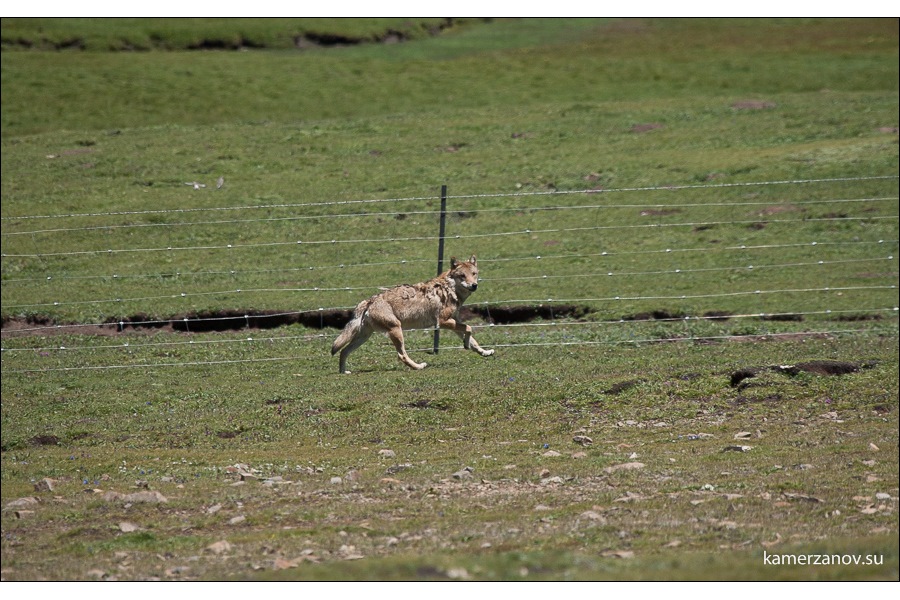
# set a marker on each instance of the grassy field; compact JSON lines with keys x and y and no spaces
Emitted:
{"x":679,"y":208}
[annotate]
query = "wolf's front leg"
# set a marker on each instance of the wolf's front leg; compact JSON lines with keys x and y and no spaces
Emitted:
{"x":465,"y":333}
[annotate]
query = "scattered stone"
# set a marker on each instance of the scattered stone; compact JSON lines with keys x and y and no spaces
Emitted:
{"x":96,"y":574}
{"x":737,"y":448}
{"x":24,"y":514}
{"x":673,"y":544}
{"x":577,"y":455}
{"x":27,"y":501}
{"x":126,"y":527}
{"x":463,"y":473}
{"x":629,"y":497}
{"x":458,"y":573}
{"x":393,"y":469}
{"x":283,"y":563}
{"x":743,"y":435}
{"x":591,"y":515}
{"x":386,"y":453}
{"x":551,"y":453}
{"x":276,"y":480}
{"x":220,"y":547}
{"x":549,"y":480}
{"x":883,"y":496}
{"x":44,"y":485}
{"x":803,"y":497}
{"x":583,"y":440}
{"x":137,"y":497}
{"x":336,"y":481}
{"x":348,"y":552}
{"x":236,"y":520}
{"x":214,"y":509}
{"x":629,"y":466}
{"x":873,"y":447}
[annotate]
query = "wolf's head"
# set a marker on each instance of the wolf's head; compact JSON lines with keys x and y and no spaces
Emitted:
{"x":464,"y":275}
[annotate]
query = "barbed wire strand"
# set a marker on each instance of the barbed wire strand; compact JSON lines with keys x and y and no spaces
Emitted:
{"x":317,"y":289}
{"x":501,"y":345}
{"x":466,"y":196}
{"x":335,"y":241}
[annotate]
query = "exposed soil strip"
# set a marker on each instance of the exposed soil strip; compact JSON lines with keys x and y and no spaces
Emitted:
{"x":234,"y":320}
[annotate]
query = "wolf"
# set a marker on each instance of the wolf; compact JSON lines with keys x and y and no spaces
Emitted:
{"x":423,"y":305}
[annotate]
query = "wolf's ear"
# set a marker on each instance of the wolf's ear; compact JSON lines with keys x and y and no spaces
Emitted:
{"x":473,"y":261}
{"x":453,"y":262}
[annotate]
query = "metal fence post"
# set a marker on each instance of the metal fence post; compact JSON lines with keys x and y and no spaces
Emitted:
{"x":440,"y":265}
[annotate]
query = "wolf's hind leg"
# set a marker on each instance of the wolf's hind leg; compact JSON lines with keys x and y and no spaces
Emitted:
{"x":355,"y":343}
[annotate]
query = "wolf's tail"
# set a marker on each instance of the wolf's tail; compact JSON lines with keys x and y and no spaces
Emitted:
{"x":351,"y":329}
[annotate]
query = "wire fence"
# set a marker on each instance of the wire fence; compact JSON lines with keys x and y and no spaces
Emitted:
{"x":820,"y":251}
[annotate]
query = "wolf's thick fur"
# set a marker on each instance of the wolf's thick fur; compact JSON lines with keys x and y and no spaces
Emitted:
{"x":433,"y":302}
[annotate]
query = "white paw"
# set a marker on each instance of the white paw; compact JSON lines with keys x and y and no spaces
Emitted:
{"x":487,"y":352}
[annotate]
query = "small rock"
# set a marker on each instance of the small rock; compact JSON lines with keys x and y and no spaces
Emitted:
{"x":463,"y":473}
{"x":336,"y":481}
{"x":214,"y":509}
{"x":27,"y":501}
{"x":593,"y":516}
{"x":549,"y":480}
{"x":386,"y":453}
{"x":737,"y":448}
{"x":24,"y":514}
{"x":458,"y":573}
{"x":629,"y":466}
{"x":873,"y":447}
{"x":126,"y":527}
{"x":743,"y":435}
{"x":551,"y":453}
{"x":348,"y":552}
{"x":137,"y":497}
{"x":44,"y":485}
{"x":220,"y":547}
{"x":577,"y":455}
{"x":583,"y":440}
{"x":236,"y":520}
{"x":883,"y":496}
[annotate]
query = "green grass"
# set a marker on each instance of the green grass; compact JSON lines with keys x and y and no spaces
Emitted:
{"x":318,"y":145}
